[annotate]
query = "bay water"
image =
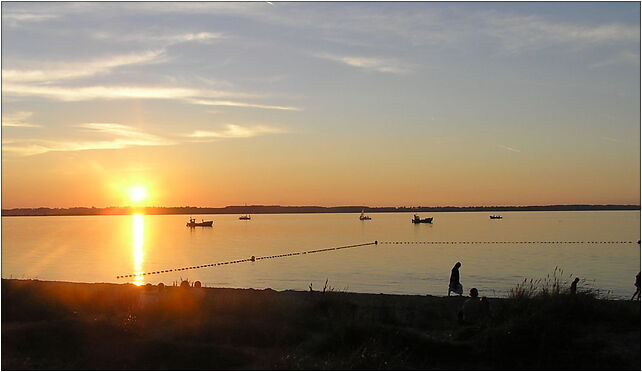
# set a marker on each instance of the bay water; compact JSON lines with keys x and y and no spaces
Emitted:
{"x":100,"y":248}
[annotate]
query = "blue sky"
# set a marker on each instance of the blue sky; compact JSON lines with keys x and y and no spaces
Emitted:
{"x":322,"y":103}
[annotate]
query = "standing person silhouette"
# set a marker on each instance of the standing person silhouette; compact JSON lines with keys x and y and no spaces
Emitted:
{"x":454,"y":285}
{"x":637,"y":287}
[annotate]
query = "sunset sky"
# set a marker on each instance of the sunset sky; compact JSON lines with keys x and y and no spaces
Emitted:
{"x":380,"y":104}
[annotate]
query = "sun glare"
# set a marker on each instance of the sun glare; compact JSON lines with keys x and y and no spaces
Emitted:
{"x":138,"y":229}
{"x":137,"y":194}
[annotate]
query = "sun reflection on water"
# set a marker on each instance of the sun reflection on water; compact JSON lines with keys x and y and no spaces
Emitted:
{"x":138,"y":229}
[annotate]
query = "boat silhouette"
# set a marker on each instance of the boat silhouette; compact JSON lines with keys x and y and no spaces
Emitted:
{"x":192,"y":223}
{"x":416,"y":219}
{"x":363,"y":217}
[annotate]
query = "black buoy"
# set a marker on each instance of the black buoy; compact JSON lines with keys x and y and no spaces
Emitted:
{"x":252,"y":259}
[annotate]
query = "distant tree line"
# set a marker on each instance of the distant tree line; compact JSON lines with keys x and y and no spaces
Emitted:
{"x":273,"y":209}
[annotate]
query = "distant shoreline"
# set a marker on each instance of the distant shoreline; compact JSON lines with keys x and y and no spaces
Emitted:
{"x":275,"y":209}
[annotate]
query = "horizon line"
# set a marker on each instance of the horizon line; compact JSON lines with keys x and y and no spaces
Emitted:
{"x":335,"y":206}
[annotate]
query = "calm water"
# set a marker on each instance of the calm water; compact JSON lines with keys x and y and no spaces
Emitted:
{"x":97,"y":248}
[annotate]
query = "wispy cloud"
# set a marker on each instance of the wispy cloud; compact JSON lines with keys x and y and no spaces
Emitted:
{"x":113,"y":136}
{"x":72,"y":70}
{"x":18,"y":119}
{"x":368,"y":63}
{"x":123,"y":131}
{"x":199,"y":36}
{"x":508,"y":148}
{"x":235,"y":131}
{"x":243,"y":104}
{"x":16,"y":19}
{"x":187,"y":95}
{"x":424,"y":24}
{"x":518,"y":33}
{"x":165,"y":39}
{"x":621,"y":58}
{"x":111,"y":92}
{"x":611,"y":139}
{"x":359,"y":26}
{"x":121,"y":136}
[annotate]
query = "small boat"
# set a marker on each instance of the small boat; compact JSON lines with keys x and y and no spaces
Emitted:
{"x":247,"y":217}
{"x":416,"y":219}
{"x":363,"y":217}
{"x":192,"y":223}
{"x":496,"y":217}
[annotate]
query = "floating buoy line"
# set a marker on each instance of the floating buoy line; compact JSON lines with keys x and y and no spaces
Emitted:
{"x":251,"y":259}
{"x":510,"y":242}
{"x":254,"y":259}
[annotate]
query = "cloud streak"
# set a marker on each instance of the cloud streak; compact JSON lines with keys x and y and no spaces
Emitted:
{"x":122,"y":136}
{"x":187,"y":95}
{"x":243,"y":104}
{"x":621,"y":58}
{"x":189,"y":37}
{"x":17,"y":19}
{"x":72,"y":70}
{"x":111,"y":92}
{"x":508,"y":148}
{"x":18,"y":119}
{"x":385,"y":65}
{"x":167,"y":40}
{"x":114,"y":136}
{"x":518,"y":33}
{"x":235,"y":131}
{"x":123,"y":131}
{"x":420,"y":25}
{"x":37,"y":82}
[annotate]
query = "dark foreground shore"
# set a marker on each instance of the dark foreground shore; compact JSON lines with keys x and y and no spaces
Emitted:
{"x":73,"y":326}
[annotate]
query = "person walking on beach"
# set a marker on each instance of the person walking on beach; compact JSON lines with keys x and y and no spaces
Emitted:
{"x":637,"y":288}
{"x":454,"y":285}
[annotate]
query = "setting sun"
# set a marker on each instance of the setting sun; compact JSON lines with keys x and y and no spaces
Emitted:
{"x":137,"y":194}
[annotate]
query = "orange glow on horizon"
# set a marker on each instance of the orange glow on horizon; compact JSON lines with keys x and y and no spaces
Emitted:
{"x":175,"y":179}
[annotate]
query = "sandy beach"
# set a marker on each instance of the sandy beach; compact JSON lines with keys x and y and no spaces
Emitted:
{"x":60,"y":325}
